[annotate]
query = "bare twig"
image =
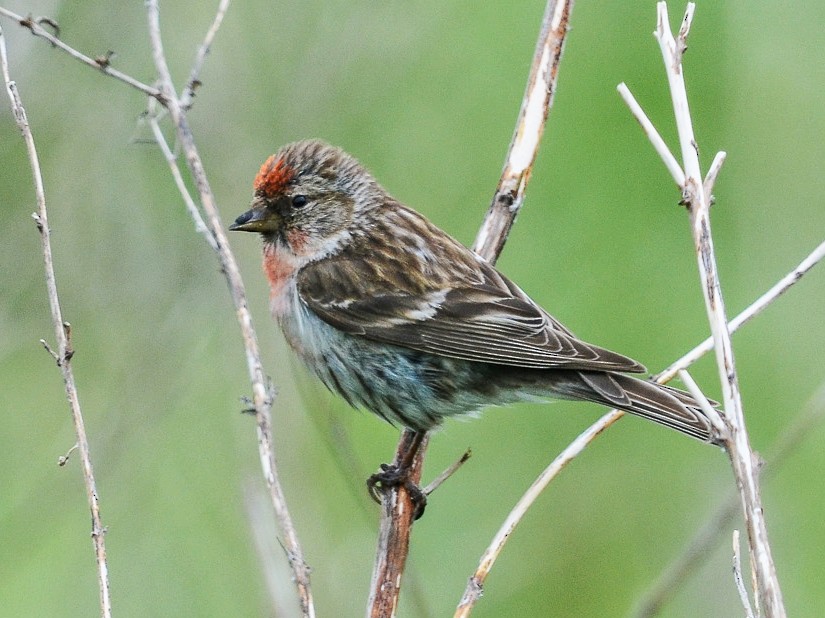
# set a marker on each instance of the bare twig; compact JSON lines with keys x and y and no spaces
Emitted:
{"x":95,"y":63}
{"x":64,"y":459}
{"x":273,"y":571}
{"x":475,"y":586}
{"x":473,"y":589}
{"x":738,"y":444}
{"x":737,"y":577}
{"x":193,"y":83}
{"x":713,"y":172}
{"x":656,"y":140}
{"x":710,"y":412}
{"x":509,"y":196}
{"x":174,"y":169}
{"x":451,"y":469}
{"x":261,"y":397}
{"x":754,"y":309}
{"x":62,"y":332}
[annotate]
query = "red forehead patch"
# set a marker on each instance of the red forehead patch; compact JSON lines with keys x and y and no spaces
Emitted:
{"x":273,"y":177}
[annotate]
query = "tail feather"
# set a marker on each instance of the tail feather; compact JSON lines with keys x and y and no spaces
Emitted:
{"x":656,"y":402}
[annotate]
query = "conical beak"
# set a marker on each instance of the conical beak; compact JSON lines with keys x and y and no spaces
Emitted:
{"x":257,"y":220}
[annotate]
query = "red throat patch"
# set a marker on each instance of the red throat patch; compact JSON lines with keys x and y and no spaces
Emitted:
{"x":273,"y":177}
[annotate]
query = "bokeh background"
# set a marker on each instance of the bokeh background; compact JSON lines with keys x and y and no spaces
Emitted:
{"x":425,"y":94}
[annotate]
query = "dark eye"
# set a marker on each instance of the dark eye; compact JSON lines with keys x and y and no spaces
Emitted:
{"x":299,"y":201}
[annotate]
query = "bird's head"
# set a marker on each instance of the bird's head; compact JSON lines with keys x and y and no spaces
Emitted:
{"x":306,"y":196}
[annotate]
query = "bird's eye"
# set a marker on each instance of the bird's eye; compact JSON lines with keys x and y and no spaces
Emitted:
{"x":299,"y":201}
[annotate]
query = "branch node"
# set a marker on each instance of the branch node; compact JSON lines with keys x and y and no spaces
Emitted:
{"x":104,"y":60}
{"x":69,"y":353}
{"x":64,"y":459}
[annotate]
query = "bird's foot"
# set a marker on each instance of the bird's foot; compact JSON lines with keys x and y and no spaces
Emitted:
{"x":397,"y":476}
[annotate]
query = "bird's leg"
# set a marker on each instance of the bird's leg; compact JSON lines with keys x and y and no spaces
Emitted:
{"x":398,"y":475}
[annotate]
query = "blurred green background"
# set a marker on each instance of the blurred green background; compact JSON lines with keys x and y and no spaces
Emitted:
{"x":425,"y":94}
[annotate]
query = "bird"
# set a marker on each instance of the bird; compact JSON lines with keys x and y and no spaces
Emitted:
{"x":397,"y":317}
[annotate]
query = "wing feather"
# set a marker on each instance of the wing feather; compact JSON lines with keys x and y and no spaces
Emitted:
{"x":472,"y":313}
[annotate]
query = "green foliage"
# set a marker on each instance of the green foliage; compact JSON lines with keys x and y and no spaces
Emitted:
{"x":425,"y":94}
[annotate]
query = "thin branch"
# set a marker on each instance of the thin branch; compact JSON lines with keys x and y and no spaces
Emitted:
{"x":754,"y":309}
{"x":508,"y":199}
{"x":261,"y":397}
{"x":713,"y":172}
{"x":738,"y":445}
{"x":273,"y":571}
{"x":652,"y":133}
{"x":451,"y":469}
{"x":193,"y":83}
{"x":174,"y":169}
{"x":62,"y":332}
{"x":710,"y":412}
{"x":100,"y":63}
{"x":475,"y":586}
{"x":737,"y":577}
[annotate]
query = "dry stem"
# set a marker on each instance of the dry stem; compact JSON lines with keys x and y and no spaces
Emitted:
{"x":62,"y":333}
{"x":261,"y":397}
{"x":193,"y":83}
{"x":788,"y":442}
{"x":696,"y":197}
{"x":738,"y":445}
{"x":216,"y":238}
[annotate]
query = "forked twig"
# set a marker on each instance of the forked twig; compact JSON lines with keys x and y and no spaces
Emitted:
{"x":474,"y":586}
{"x":698,"y":201}
{"x":473,"y":590}
{"x":101,"y":63}
{"x":262,"y":399}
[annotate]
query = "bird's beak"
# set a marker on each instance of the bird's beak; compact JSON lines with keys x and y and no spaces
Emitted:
{"x":257,"y":219}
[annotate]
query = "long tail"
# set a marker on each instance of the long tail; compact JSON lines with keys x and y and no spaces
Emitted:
{"x":656,"y":402}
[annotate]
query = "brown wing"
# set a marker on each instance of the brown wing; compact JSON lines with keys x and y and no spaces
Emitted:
{"x":472,"y":312}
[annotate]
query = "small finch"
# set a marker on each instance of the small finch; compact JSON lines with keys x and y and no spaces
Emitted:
{"x":398,"y":317}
